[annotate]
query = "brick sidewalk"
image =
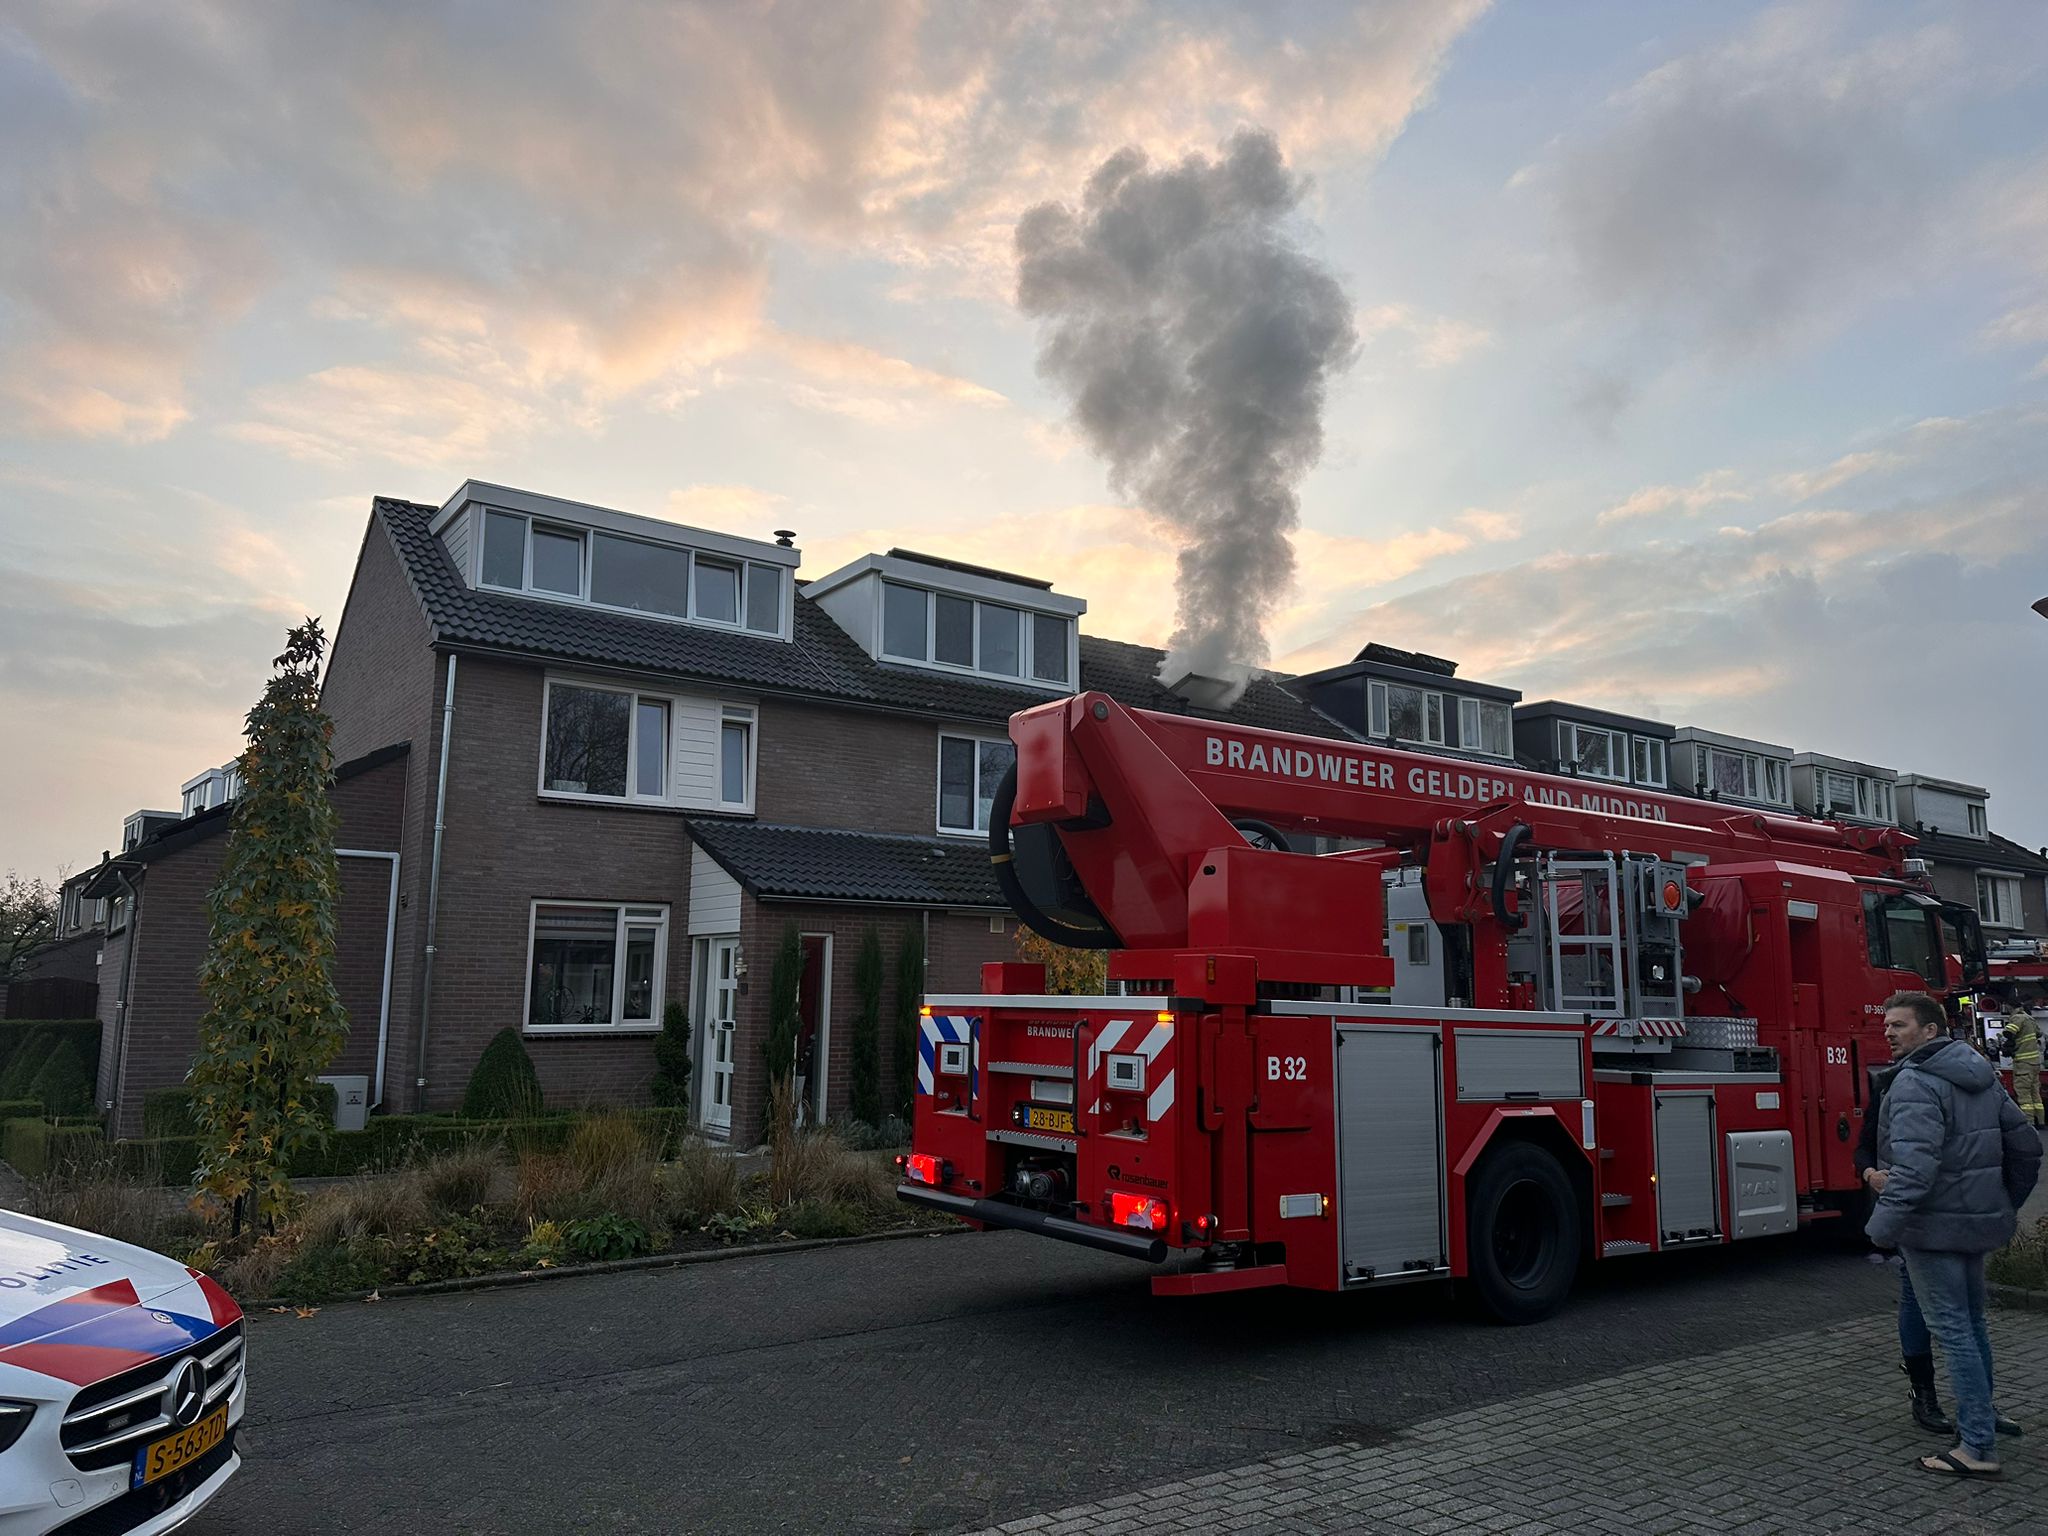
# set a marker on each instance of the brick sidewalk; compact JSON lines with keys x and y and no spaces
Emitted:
{"x":1805,"y":1433}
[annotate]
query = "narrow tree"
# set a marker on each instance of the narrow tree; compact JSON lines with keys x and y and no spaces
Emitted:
{"x":274,"y":1020}
{"x":28,"y":916}
{"x":865,"y":1089}
{"x":909,"y":997}
{"x":778,"y":1049}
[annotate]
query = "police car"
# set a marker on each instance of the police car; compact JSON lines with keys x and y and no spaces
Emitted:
{"x":122,"y":1381}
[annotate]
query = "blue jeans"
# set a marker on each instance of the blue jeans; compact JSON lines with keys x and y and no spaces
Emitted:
{"x":1949,"y":1288}
{"x":1914,"y":1339}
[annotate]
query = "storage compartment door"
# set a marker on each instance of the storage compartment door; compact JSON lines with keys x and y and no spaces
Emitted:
{"x":1688,"y":1188}
{"x":1390,"y":1151}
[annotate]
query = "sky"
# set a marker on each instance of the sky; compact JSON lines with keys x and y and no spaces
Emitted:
{"x":1701,"y":372}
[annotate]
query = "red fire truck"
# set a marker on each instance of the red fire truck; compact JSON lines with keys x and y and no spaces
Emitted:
{"x":1512,"y":1023}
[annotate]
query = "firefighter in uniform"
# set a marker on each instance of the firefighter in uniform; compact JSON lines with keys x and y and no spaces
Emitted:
{"x":2023,"y":1040}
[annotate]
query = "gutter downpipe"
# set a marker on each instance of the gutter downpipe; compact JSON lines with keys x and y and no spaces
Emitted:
{"x":419,"y":1086}
{"x":121,"y":1001}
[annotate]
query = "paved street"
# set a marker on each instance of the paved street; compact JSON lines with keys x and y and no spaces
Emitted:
{"x":952,"y":1383}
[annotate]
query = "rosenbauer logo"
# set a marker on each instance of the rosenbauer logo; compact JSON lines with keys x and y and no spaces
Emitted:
{"x":1365,"y":771}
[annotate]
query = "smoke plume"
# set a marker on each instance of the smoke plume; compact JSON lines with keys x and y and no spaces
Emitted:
{"x":1195,"y":340}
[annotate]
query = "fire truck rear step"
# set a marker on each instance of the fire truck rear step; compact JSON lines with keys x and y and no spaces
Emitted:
{"x":1622,"y":1248}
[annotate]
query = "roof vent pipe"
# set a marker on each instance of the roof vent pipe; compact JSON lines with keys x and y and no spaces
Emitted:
{"x":785,"y":538}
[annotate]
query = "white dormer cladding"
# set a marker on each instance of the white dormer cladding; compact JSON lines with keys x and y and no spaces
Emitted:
{"x":954,"y":618}
{"x":1734,"y":768}
{"x":1943,"y":805}
{"x":508,"y":540}
{"x":1842,"y":790}
{"x":216,"y":786}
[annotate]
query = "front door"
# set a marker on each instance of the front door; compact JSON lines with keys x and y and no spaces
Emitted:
{"x":721,"y":1012}
{"x":814,"y":1026}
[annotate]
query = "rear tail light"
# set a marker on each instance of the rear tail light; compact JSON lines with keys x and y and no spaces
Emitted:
{"x":1145,"y":1212}
{"x":926,"y":1168}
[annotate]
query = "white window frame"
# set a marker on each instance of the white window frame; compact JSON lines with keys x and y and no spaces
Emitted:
{"x":1869,"y":798}
{"x":1660,"y":752}
{"x":1757,"y":772}
{"x":1472,"y":722}
{"x":1980,"y":825}
{"x":1568,"y":733}
{"x":1379,"y":705}
{"x":2001,"y":880}
{"x":648,"y":914}
{"x":1027,"y":638}
{"x":980,"y":829}
{"x":750,"y":717}
{"x":784,"y":578}
{"x":670,"y":797}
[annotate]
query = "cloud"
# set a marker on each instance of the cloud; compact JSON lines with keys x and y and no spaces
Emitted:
{"x":1848,"y":629}
{"x":1759,"y":191}
{"x":1433,"y":341}
{"x":347,"y":415}
{"x":587,"y":202}
{"x":732,"y":508}
{"x":1711,"y":489}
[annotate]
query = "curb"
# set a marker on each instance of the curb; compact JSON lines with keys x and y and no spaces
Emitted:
{"x":2017,"y":1296}
{"x":511,"y":1277}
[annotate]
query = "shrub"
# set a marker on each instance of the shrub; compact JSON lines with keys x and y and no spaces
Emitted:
{"x":543,"y":1248}
{"x":20,"y":1109}
{"x":460,"y":1180}
{"x":252,"y":1270}
{"x":785,"y":981}
{"x":460,"y":1248}
{"x":864,"y":1090}
{"x":614,"y":1156}
{"x":903,"y":1035}
{"x":16,"y":1034}
{"x":25,"y":1063}
{"x":349,"y":1214}
{"x":608,"y":1236}
{"x":504,"y":1085}
{"x":104,"y":1201}
{"x":168,"y":1112}
{"x":701,"y":1183}
{"x":824,"y":1218}
{"x":318,"y":1274}
{"x":859,"y":1136}
{"x":63,"y":1082}
{"x":816,"y":1165}
{"x":671,"y":1086}
{"x":36,"y":1147}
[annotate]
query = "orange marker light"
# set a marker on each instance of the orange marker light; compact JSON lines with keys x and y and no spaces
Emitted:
{"x":1165,"y":1018}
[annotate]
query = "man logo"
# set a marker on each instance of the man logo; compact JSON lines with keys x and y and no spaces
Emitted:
{"x":185,"y":1393}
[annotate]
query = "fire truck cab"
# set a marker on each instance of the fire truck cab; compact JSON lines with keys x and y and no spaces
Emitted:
{"x":1500,"y":1026}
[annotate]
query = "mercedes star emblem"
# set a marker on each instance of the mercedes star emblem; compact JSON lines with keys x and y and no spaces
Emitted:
{"x":185,"y":1394}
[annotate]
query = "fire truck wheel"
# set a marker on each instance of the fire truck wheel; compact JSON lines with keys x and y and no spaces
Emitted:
{"x":1521,"y":1233}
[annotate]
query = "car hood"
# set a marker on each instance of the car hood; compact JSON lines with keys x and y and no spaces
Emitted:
{"x":81,"y":1308}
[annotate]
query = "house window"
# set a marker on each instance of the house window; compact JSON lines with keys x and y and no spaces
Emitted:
{"x":619,"y":744}
{"x":1406,"y":714}
{"x":557,"y":555}
{"x":595,"y":966}
{"x":1976,"y":820}
{"x":632,"y":575}
{"x":1746,"y":776}
{"x":1646,"y":763}
{"x":1998,"y":900}
{"x":1484,"y":725}
{"x":648,"y":578}
{"x":946,"y":630}
{"x":970,"y":769}
{"x":1853,"y":794}
{"x":736,"y":757}
{"x":589,"y":738}
{"x":1593,"y":751}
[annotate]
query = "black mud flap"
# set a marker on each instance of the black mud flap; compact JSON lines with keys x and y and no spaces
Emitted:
{"x":996,"y":1213}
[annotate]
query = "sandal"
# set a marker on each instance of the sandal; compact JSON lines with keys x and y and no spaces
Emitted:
{"x":1951,"y":1463}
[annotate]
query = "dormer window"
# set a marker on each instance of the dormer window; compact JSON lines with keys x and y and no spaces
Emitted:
{"x":947,"y":630}
{"x":1853,"y":795}
{"x":611,"y":570}
{"x":1977,"y":822}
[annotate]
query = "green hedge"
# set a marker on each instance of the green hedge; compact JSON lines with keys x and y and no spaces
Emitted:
{"x":35,"y":1147}
{"x":388,"y":1141}
{"x":29,"y":1046}
{"x":20,"y":1109}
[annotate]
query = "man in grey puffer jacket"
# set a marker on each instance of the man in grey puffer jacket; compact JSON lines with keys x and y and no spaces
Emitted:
{"x":1959,"y":1159}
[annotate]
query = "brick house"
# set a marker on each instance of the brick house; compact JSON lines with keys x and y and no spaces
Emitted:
{"x":661,"y":749}
{"x":156,"y":935}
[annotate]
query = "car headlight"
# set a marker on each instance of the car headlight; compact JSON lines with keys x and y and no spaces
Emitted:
{"x":14,"y":1419}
